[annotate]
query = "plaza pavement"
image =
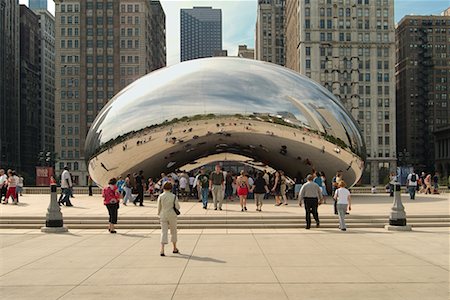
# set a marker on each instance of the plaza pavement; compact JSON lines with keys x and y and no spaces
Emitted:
{"x":233,"y":264}
{"x":227,"y":263}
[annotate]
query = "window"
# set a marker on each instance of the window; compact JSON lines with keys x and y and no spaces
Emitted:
{"x":308,"y":64}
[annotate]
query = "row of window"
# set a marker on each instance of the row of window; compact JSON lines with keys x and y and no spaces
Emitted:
{"x":70,"y":20}
{"x":367,"y":115}
{"x":129,"y":44}
{"x":70,"y":44}
{"x":70,"y":143}
{"x":99,"y":59}
{"x":129,"y":31}
{"x":70,"y":155}
{"x":348,"y":2}
{"x":71,"y":130}
{"x":69,"y":165}
{"x":129,"y":8}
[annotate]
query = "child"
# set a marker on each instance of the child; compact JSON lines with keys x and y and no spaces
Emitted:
{"x":374,"y":190}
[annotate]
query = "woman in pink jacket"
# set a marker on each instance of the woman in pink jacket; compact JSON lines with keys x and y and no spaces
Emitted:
{"x":111,"y":198}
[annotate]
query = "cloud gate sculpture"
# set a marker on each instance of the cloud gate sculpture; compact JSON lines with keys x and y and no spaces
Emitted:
{"x":202,"y":108}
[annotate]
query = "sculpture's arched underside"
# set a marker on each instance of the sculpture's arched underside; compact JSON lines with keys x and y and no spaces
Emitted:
{"x":203,"y":107}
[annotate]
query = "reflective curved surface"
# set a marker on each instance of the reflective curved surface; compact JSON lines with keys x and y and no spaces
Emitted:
{"x":203,"y":107}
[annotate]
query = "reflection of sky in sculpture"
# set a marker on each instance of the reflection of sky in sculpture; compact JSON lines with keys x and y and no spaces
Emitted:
{"x":218,"y":86}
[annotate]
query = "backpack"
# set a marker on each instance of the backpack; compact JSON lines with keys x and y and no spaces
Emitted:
{"x":413,"y":178}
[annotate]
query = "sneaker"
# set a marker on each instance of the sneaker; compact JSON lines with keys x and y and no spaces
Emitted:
{"x":245,"y":208}
{"x":317,"y":225}
{"x":344,"y":229}
{"x":204,"y":207}
{"x":215,"y":208}
{"x":220,"y":208}
{"x":242,"y":209}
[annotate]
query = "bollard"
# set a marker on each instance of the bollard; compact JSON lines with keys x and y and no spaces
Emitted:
{"x":397,"y":218}
{"x":54,"y":220}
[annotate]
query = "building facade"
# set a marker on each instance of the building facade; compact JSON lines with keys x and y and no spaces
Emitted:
{"x":423,"y":87}
{"x":291,"y":28}
{"x":245,"y":52}
{"x":269,"y":44}
{"x":9,"y":85}
{"x":442,"y":152}
{"x":158,"y":35}
{"x":47,"y":62}
{"x":30,"y":92}
{"x":201,"y":32}
{"x":349,"y":47}
{"x":102,"y":46}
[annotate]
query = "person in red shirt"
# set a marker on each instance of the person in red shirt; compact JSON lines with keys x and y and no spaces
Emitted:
{"x":111,"y":198}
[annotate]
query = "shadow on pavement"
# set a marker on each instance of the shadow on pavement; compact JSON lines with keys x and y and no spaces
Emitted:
{"x":199,"y":258}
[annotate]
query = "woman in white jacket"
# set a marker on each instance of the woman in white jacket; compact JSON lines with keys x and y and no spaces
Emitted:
{"x":168,"y":217}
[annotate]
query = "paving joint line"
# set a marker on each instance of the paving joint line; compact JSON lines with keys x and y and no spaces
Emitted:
{"x":185,"y":266}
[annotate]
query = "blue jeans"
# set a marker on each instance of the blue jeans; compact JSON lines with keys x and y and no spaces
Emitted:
{"x":412,"y":192}
{"x":205,"y":193}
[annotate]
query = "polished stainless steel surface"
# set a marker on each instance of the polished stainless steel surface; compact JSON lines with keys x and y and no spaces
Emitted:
{"x":198,"y":108}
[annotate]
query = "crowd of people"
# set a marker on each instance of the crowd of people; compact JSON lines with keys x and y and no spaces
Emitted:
{"x":11,"y":186}
{"x":423,"y":184}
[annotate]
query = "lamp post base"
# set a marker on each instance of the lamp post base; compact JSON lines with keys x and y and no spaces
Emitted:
{"x":54,"y":229}
{"x":398,"y":228}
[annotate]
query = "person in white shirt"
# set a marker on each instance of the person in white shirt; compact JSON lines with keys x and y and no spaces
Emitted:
{"x":66,"y":186}
{"x":167,"y":202}
{"x":3,"y":184}
{"x":343,"y":202}
{"x":19,"y":188}
{"x":183,"y":187}
{"x":411,"y":183}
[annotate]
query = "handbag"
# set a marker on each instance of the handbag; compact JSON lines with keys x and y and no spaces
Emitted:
{"x":177,"y":211}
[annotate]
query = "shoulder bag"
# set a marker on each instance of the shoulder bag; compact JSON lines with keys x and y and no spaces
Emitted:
{"x":177,"y":211}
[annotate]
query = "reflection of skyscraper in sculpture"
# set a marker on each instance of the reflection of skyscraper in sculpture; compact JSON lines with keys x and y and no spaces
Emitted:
{"x":313,"y":121}
{"x":335,"y":126}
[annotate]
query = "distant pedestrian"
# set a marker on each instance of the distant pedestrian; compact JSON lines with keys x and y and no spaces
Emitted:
{"x":127,"y":188}
{"x":310,"y":194}
{"x":216,"y":186}
{"x":335,"y":186}
{"x":276,"y":189}
{"x":324,"y":185}
{"x":12,"y":186}
{"x":260,"y":188}
{"x":411,"y":183}
{"x":19,"y":187}
{"x":229,"y":186}
{"x":242,"y":190}
{"x":203,"y":183}
{"x":436,"y":183}
{"x":343,"y":200}
{"x":428,"y":184}
{"x":3,"y":184}
{"x":283,"y":187}
{"x":120,"y":183}
{"x":392,"y":181}
{"x":111,"y":199}
{"x":139,"y":180}
{"x":90,"y":183}
{"x":66,"y":187}
{"x":167,"y":203}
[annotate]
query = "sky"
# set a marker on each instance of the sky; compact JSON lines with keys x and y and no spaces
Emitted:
{"x":239,"y":19}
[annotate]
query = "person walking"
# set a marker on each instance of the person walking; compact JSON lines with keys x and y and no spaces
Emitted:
{"x":111,"y":199}
{"x":19,"y":188}
{"x":167,"y":207}
{"x":13,"y":180}
{"x":216,"y":186}
{"x":139,"y":179}
{"x":428,"y":184}
{"x":436,"y":183}
{"x":203,"y":183}
{"x":411,"y":183}
{"x":392,"y":180}
{"x":283,"y":187}
{"x":260,"y":188}
{"x":66,"y":187}
{"x":343,"y":200}
{"x":120,"y":184}
{"x":3,"y":184}
{"x":90,"y":183}
{"x":266,"y":177}
{"x":242,"y":190}
{"x":310,"y":194}
{"x":229,"y":185}
{"x":276,"y":189}
{"x":324,"y":186}
{"x":335,"y":186}
{"x":127,"y":188}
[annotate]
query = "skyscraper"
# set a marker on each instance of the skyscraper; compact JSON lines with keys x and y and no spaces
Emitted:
{"x":38,"y":4}
{"x":201,"y":32}
{"x":9,"y":85}
{"x":158,"y":35}
{"x":47,"y":63}
{"x":102,"y":47}
{"x":245,"y":52}
{"x":349,"y":47}
{"x":270,"y":31}
{"x":423,"y":85}
{"x":30,"y":92}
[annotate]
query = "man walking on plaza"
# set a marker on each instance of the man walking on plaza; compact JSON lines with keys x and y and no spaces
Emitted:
{"x":310,"y":194}
{"x":203,"y":183}
{"x":411,"y":183}
{"x":216,"y":185}
{"x":66,"y":186}
{"x":139,"y":179}
{"x":334,"y":187}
